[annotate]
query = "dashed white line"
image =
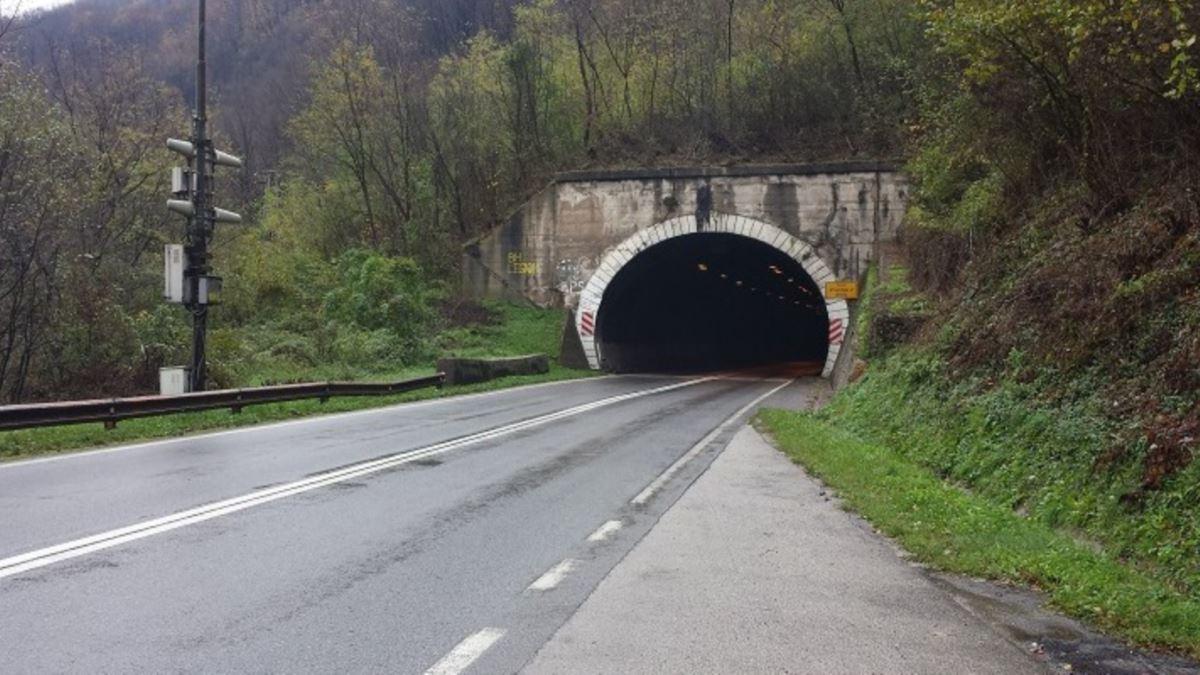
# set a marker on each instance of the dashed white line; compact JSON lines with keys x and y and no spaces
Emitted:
{"x":79,"y":547}
{"x":657,"y":484}
{"x":466,"y":652}
{"x":554,"y":576}
{"x":605,"y":531}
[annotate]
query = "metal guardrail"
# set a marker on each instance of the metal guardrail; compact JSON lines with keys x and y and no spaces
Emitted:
{"x":111,"y":411}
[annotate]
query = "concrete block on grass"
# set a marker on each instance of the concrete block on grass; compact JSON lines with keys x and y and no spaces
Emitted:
{"x":460,"y":370}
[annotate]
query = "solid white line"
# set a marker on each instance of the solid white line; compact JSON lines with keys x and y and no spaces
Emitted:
{"x":645,"y":495}
{"x":604,"y":531}
{"x":304,"y":420}
{"x":554,"y":576}
{"x":72,"y":549}
{"x":463,"y":655}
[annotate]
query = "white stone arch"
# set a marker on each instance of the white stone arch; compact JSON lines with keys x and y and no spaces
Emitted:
{"x":593,"y":293}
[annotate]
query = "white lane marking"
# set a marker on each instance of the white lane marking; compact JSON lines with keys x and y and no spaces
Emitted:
{"x":304,"y":420}
{"x":554,"y":576}
{"x":72,"y":549}
{"x":650,"y":490}
{"x":605,"y":531}
{"x":734,"y":378}
{"x":464,"y":654}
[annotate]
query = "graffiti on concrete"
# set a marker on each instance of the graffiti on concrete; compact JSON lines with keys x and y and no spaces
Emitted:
{"x":572,"y":276}
{"x":519,"y":266}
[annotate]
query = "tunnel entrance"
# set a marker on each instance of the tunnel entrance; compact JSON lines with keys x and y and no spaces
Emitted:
{"x":710,"y":301}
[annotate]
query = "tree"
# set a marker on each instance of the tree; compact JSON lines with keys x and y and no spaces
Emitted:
{"x":37,"y":167}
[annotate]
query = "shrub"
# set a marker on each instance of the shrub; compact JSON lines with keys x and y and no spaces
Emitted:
{"x":377,"y":293}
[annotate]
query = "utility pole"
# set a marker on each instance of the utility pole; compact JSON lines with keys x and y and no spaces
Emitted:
{"x":200,"y":225}
{"x":192,"y":187}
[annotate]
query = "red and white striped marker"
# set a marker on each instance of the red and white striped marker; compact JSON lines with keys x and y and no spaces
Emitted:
{"x":587,"y":324}
{"x":837,"y":331}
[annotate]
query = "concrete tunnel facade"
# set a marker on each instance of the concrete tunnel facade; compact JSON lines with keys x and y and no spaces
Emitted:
{"x":623,"y":250}
{"x":691,"y":295}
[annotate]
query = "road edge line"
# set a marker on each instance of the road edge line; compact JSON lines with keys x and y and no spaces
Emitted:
{"x":663,"y":478}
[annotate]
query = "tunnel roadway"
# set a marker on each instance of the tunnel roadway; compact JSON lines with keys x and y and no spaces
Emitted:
{"x":446,"y":535}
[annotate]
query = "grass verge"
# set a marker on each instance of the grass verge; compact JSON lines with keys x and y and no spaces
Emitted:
{"x":957,"y":531}
{"x":519,"y":330}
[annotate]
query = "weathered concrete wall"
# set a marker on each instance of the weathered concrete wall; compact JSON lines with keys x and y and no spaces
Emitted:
{"x":548,"y":250}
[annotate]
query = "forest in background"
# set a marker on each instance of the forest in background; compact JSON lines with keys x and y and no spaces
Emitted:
{"x":379,"y":136}
{"x":382,"y":134}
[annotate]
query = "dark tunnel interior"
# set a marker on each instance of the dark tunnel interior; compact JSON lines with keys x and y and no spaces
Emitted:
{"x":707,"y":302}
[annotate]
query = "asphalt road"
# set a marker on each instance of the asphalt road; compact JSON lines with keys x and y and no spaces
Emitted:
{"x":431,"y":535}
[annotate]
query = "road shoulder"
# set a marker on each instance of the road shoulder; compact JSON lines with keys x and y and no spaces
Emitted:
{"x":754,"y":569}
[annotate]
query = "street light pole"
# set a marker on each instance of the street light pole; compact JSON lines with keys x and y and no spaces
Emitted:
{"x":200,"y":224}
{"x":192,"y":189}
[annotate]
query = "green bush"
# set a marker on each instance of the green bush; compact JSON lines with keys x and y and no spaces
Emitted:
{"x":378,"y":292}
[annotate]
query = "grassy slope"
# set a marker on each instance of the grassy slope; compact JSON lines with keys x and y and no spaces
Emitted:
{"x":524,"y":330}
{"x":1060,"y":378}
{"x":999,"y":424}
{"x":1033,"y":457}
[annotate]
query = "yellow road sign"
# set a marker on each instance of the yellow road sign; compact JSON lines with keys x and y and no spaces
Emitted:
{"x":841,"y":290}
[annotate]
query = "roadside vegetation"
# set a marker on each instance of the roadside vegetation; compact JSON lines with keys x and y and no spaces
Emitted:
{"x":380,"y":138}
{"x":1005,"y":475}
{"x":1027,"y":405}
{"x":498,"y":330}
{"x":1031,"y":417}
{"x":1022,"y":471}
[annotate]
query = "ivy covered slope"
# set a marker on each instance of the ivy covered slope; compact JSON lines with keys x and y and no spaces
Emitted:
{"x":1035,"y":420}
{"x":1048,"y":355}
{"x":1059,"y":378}
{"x":1038,"y":345}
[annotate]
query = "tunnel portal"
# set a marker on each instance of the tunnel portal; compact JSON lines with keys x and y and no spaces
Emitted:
{"x":710,"y":301}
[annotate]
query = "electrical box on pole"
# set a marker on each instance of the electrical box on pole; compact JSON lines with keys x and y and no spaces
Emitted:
{"x":206,"y":292}
{"x":173,"y":381}
{"x":173,"y":287}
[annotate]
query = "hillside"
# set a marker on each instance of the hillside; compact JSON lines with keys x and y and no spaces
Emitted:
{"x":1038,"y":342}
{"x":260,"y":51}
{"x":388,"y":131}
